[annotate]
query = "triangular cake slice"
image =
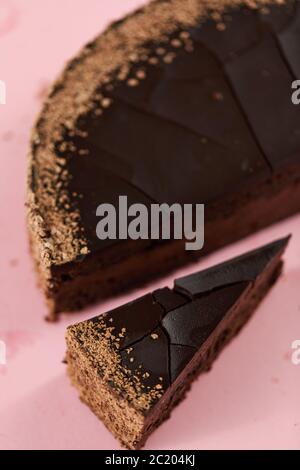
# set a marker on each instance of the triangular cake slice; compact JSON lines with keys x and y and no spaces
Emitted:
{"x":135,"y":363}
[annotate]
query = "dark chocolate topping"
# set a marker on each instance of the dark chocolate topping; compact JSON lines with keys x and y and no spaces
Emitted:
{"x":168,"y":299}
{"x":180,"y":356}
{"x":150,"y":350}
{"x":134,"y":320}
{"x":241,"y":269}
{"x":290,"y":44}
{"x":191,"y":324}
{"x":267,"y":101}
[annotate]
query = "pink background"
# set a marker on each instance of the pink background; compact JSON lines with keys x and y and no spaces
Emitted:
{"x":251,"y":397}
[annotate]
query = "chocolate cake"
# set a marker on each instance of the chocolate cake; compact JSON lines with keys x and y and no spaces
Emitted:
{"x":135,"y":363}
{"x":180,"y":102}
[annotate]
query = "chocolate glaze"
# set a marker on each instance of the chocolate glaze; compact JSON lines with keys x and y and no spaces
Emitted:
{"x":150,"y":350}
{"x":241,"y":269}
{"x":139,"y":318}
{"x":168,"y":299}
{"x":191,"y":324}
{"x":290,"y":44}
{"x":267,"y":102}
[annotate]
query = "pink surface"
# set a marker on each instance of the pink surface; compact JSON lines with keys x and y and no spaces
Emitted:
{"x":251,"y":397}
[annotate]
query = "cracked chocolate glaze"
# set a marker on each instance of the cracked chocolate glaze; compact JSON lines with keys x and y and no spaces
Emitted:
{"x":156,"y":336}
{"x":202,"y":114}
{"x":242,"y":269}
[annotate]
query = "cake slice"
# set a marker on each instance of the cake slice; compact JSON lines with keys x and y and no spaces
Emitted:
{"x":132,"y":365}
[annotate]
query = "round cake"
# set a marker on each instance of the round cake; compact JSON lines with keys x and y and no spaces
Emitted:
{"x":180,"y":102}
